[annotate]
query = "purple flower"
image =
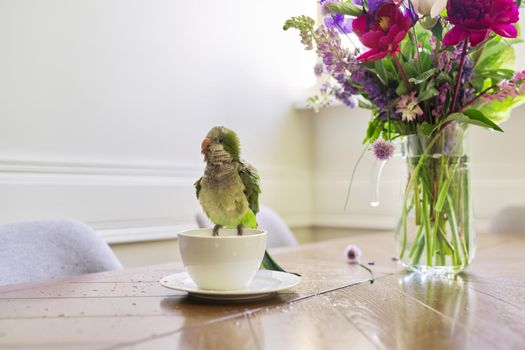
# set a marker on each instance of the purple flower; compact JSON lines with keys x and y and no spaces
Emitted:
{"x":372,"y":88}
{"x":353,"y":254}
{"x":383,"y":150}
{"x":346,"y":96}
{"x":442,"y":97}
{"x":339,"y":22}
{"x":505,"y":89}
{"x":318,"y":69}
{"x":518,"y":77}
{"x":335,"y":20}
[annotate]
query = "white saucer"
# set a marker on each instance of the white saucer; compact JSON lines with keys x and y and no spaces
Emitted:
{"x":264,"y":284}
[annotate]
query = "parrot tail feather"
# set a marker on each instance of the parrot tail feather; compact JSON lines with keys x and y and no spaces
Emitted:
{"x":269,"y":263}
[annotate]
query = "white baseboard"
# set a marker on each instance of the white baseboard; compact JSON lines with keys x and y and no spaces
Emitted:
{"x":127,"y":231}
{"x":130,"y":202}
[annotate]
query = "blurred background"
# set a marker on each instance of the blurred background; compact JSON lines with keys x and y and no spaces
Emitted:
{"x":104,"y":104}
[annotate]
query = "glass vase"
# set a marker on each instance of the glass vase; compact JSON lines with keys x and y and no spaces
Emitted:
{"x":435,"y":233}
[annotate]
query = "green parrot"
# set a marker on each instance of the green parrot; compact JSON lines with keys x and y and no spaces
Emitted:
{"x":229,"y":190}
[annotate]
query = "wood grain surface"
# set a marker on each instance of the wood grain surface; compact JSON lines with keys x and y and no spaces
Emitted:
{"x":334,"y":307}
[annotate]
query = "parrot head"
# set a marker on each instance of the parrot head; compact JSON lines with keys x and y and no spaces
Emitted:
{"x":221,"y":145}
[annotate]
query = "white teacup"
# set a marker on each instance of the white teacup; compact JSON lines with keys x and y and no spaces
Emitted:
{"x":224,"y":262}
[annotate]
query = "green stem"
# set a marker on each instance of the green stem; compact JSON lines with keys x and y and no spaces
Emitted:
{"x":419,"y":250}
{"x":428,"y":231}
{"x":454,"y":230}
{"x":414,"y":246}
{"x":372,"y":280}
{"x":458,"y":78}
{"x":466,"y":212}
{"x":402,"y":72}
{"x":414,"y":176}
{"x":442,"y":256}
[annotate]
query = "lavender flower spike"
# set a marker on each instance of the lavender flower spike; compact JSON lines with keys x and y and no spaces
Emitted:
{"x":383,"y":150}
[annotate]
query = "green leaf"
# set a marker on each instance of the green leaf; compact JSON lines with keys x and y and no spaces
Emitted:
{"x":437,"y":30}
{"x":499,"y":111}
{"x":381,"y":72}
{"x":346,"y":8}
{"x":427,"y":128}
{"x":401,"y":89}
{"x":423,"y":76}
{"x":373,"y":131}
{"x":475,"y":117}
{"x":498,"y":54}
{"x":365,"y":104}
{"x":428,"y":93}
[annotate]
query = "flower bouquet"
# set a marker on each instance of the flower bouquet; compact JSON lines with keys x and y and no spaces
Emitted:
{"x":427,"y":69}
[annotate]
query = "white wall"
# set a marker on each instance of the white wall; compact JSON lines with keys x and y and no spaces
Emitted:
{"x":104,"y":104}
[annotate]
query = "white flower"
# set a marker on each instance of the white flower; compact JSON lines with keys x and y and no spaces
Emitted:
{"x":429,"y":7}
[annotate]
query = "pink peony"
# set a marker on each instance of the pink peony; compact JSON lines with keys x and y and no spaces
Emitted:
{"x":475,"y":19}
{"x":381,"y":31}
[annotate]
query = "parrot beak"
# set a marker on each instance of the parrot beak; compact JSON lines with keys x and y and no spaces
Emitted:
{"x":205,"y":145}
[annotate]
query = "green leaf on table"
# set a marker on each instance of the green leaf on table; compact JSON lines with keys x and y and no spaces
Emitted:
{"x":475,"y":117}
{"x":346,"y":8}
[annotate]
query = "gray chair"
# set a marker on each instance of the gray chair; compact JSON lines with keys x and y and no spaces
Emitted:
{"x":39,"y":250}
{"x":279,"y":234}
{"x":509,"y":220}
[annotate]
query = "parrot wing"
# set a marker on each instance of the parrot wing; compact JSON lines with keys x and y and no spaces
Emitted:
{"x":250,"y":179}
{"x":198,"y":186}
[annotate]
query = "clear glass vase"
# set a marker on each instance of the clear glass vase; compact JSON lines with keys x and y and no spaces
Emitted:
{"x":435,"y":233}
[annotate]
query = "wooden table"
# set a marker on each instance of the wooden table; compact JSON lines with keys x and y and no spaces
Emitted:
{"x":335,"y":306}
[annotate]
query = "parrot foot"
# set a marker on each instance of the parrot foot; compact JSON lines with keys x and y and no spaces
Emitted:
{"x":240,"y":229}
{"x":216,"y":229}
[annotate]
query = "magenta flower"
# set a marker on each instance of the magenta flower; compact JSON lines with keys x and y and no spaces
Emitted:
{"x":381,"y":31}
{"x":353,"y":254}
{"x":475,"y":19}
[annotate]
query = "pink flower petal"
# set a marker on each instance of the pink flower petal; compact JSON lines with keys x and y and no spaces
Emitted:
{"x":454,"y":36}
{"x":372,"y":55}
{"x":371,"y":39}
{"x":505,"y":30}
{"x":359,"y":25}
{"x":476,"y":38}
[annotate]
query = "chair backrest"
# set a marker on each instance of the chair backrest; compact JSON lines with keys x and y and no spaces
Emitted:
{"x":279,"y":234}
{"x":509,"y":220}
{"x":39,"y":250}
